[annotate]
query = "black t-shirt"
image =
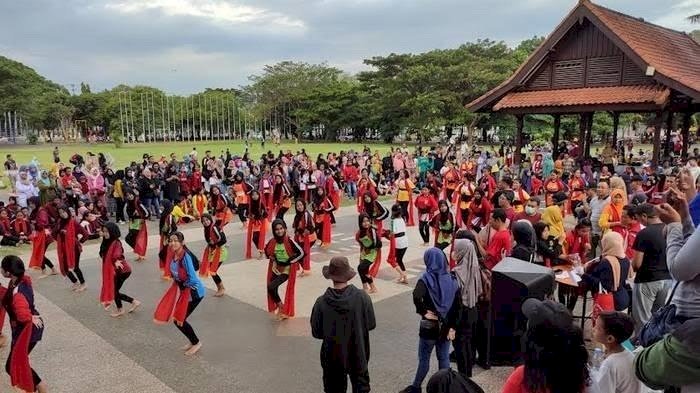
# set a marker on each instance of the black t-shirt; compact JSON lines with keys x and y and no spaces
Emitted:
{"x":652,"y":242}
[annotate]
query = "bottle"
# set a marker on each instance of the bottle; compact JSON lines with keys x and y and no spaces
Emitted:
{"x":597,"y":358}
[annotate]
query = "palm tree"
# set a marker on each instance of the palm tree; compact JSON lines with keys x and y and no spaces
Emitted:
{"x":694,"y":18}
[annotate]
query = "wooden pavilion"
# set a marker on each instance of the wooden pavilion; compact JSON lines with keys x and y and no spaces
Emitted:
{"x":598,"y":59}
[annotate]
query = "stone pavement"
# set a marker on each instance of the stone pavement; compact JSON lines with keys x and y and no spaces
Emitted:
{"x":84,"y":350}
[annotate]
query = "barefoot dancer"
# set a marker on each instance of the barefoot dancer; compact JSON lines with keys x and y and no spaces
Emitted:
{"x":322,"y":207}
{"x":184,"y":295}
{"x":398,"y":243}
{"x":257,"y":225}
{"x":281,"y":197}
{"x":27,"y":325}
{"x":370,"y":244}
{"x":69,"y":236}
{"x":214,"y":253}
{"x":137,"y":237}
{"x":41,"y":239}
{"x":115,"y":271}
{"x":284,"y":253}
{"x":304,"y":233}
{"x":167,"y":226}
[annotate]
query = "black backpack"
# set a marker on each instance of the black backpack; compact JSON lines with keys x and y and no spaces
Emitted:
{"x":195,"y":260}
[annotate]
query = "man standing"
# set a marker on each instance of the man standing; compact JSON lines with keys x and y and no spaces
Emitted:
{"x":597,"y":205}
{"x":11,"y":171}
{"x":653,"y":280}
{"x":342,"y":318}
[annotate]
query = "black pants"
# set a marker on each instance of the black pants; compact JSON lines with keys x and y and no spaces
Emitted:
{"x":130,"y":237}
{"x":242,"y":210}
{"x":256,"y":239}
{"x":481,"y":332}
{"x":448,"y":194}
{"x":280,"y":213}
{"x":76,"y":271}
{"x":567,"y":296}
{"x":363,"y":269}
{"x":9,"y":240}
{"x":319,"y":231}
{"x":216,"y":278}
{"x":464,"y":339}
{"x":400,"y":252}
{"x":120,"y":209}
{"x":119,"y":280}
{"x":335,"y":380}
{"x":186,"y":328}
{"x":274,"y":284}
{"x":35,"y":376}
{"x":424,"y":229}
{"x":595,"y":241}
{"x":404,"y":209}
{"x":465,"y":216}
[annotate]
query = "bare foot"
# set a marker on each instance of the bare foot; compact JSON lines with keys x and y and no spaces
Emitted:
{"x":107,"y":307}
{"x":260,"y":254}
{"x":81,"y":288}
{"x":3,"y":341}
{"x":53,"y":272}
{"x":186,"y":347}
{"x":194,"y":349}
{"x":134,"y":306}
{"x":118,"y":313}
{"x":42,"y":388}
{"x":220,"y":292}
{"x":74,"y":287}
{"x":282,"y":316}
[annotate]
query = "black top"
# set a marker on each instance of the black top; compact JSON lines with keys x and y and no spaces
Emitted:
{"x":424,"y":303}
{"x":652,"y":242}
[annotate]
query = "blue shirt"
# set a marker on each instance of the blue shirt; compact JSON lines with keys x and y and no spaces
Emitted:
{"x":694,"y":209}
{"x":193,"y":280}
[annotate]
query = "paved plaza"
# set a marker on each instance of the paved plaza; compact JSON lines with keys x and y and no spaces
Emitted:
{"x":244,"y":350}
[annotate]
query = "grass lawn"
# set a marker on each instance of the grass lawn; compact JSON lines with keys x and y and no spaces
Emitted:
{"x":23,"y":154}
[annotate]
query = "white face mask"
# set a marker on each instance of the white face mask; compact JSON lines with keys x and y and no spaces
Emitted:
{"x":529,"y":210}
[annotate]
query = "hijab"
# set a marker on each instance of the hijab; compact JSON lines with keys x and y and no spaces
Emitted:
{"x":617,"y":207}
{"x":441,"y":285}
{"x":552,"y":217}
{"x":467,"y":271}
{"x":114,"y":234}
{"x":612,"y":244}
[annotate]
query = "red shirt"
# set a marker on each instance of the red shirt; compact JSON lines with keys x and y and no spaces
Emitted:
{"x":499,"y":246}
{"x":351,"y":173}
{"x":533,"y":219}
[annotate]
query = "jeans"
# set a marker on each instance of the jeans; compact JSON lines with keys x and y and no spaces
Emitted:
{"x":148,"y":202}
{"x":351,"y":189}
{"x":425,"y":348}
{"x":647,"y":297}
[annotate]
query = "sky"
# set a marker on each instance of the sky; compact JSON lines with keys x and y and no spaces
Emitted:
{"x":184,"y":46}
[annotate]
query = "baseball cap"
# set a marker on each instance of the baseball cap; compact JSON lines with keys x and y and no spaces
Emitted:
{"x":546,"y":312}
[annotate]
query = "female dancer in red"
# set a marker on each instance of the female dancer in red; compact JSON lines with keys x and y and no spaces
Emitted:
{"x":364,"y":185}
{"x":218,"y":205}
{"x":377,"y":213}
{"x":322,"y":207}
{"x":281,"y":197}
{"x":450,"y":180}
{"x":167,"y":226}
{"x":333,"y":192}
{"x":426,"y":205}
{"x":27,"y":325}
{"x":242,"y":191}
{"x":552,"y":186}
{"x":257,"y":225}
{"x":284,"y":253}
{"x":69,"y":235}
{"x":370,"y":244}
{"x":444,"y":225}
{"x":137,"y":237}
{"x":304,"y":233}
{"x":199,"y":203}
{"x":41,"y":238}
{"x":464,"y":195}
{"x":214,"y":253}
{"x":480,"y":209}
{"x":404,"y":197}
{"x":577,"y":188}
{"x":115,"y":271}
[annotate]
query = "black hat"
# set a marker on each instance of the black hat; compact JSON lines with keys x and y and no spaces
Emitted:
{"x":546,"y":311}
{"x":338,"y":270}
{"x":559,"y":197}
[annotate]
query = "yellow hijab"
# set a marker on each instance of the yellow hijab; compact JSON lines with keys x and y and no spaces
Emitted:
{"x":553,"y":218}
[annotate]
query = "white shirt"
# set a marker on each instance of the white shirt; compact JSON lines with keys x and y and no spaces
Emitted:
{"x":398,"y":225}
{"x":616,"y":374}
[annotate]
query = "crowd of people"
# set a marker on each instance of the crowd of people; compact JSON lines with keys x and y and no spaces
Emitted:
{"x":625,"y":233}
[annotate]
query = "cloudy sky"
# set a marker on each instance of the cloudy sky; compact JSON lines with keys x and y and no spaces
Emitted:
{"x":183,"y":46}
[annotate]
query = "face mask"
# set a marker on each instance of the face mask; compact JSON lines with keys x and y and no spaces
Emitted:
{"x":529,"y":210}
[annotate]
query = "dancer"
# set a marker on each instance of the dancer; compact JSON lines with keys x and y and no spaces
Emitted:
{"x":257,"y":225}
{"x":322,"y":207}
{"x":464,"y":195}
{"x":115,"y":271}
{"x":426,"y":205}
{"x":370,"y":244}
{"x":218,"y":205}
{"x":199,"y":203}
{"x":284,"y":253}
{"x":167,"y":226}
{"x":480,"y":209}
{"x":184,"y":295}
{"x":214,"y":253}
{"x":398,"y":243}
{"x":137,"y":237}
{"x":304,"y":234}
{"x":333,"y":192}
{"x":552,"y":186}
{"x":27,"y":325}
{"x":69,"y":236}
{"x":364,"y":185}
{"x":450,"y":180}
{"x":41,"y":221}
{"x":404,"y":196}
{"x":444,"y":226}
{"x":281,"y":197}
{"x":242,"y":191}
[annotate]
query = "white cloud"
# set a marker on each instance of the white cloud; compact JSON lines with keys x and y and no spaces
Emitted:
{"x":677,"y":16}
{"x":215,"y":10}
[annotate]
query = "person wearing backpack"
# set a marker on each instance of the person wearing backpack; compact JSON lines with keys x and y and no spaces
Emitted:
{"x":185,"y":293}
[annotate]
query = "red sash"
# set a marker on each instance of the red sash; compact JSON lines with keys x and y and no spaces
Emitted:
{"x":211,"y":259}
{"x":114,"y":253}
{"x":141,"y":241}
{"x":374,"y":268}
{"x":289,"y":296}
{"x":66,"y":247}
{"x":39,"y":243}
{"x":173,"y":305}
{"x":249,"y":237}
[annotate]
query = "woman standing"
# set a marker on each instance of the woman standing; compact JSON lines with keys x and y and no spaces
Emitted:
{"x":184,"y":295}
{"x":480,"y":209}
{"x":214,"y":253}
{"x":437,"y":300}
{"x":370,"y":244}
{"x":118,"y":194}
{"x":607,"y":277}
{"x":427,"y":205}
{"x":167,"y":226}
{"x":41,"y":221}
{"x":281,"y":197}
{"x":398,"y":243}
{"x":322,"y":208}
{"x":465,"y":193}
{"x":404,"y":196}
{"x":304,"y":233}
{"x":27,"y":325}
{"x":283,"y":253}
{"x":69,"y":236}
{"x":218,"y":205}
{"x":444,"y":225}
{"x":611,"y":218}
{"x":241,"y":190}
{"x":257,"y":225}
{"x":137,"y":237}
{"x":115,"y":271}
{"x":364,"y":185}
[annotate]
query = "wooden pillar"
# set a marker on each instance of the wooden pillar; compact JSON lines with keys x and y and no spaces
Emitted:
{"x":519,"y":124}
{"x":555,"y":137}
{"x":657,"y":138}
{"x":669,"y":128}
{"x":685,"y":133}
{"x":616,"y":125}
{"x":582,"y":125}
{"x":589,"y":134}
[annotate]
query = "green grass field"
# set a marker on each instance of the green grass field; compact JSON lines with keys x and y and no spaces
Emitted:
{"x":23,"y":154}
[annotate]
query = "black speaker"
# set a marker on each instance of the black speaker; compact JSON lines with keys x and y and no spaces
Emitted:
{"x":513,"y":281}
